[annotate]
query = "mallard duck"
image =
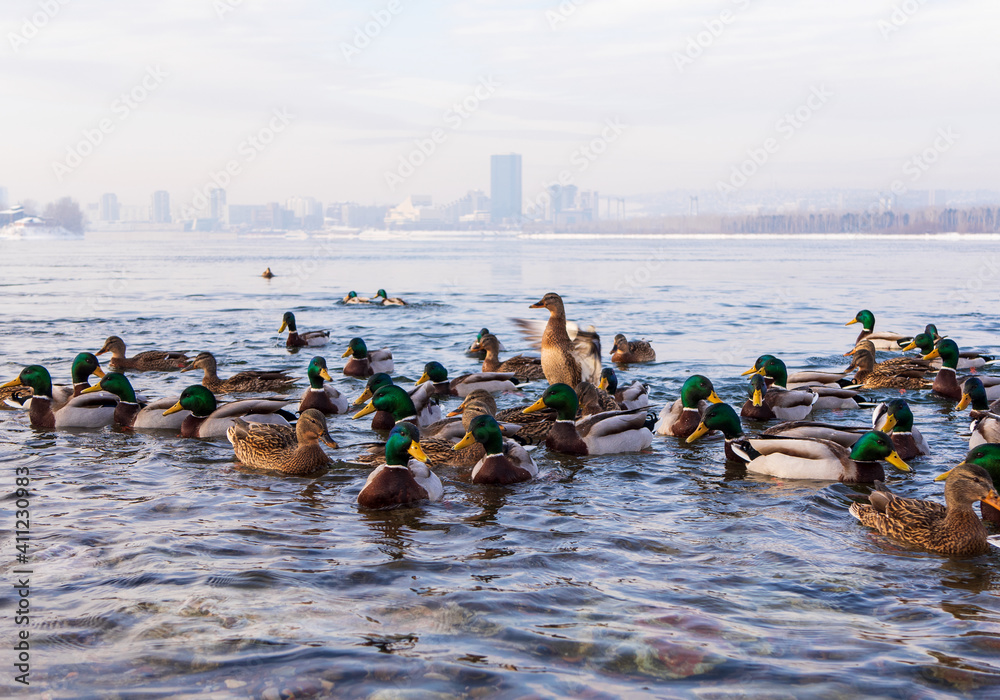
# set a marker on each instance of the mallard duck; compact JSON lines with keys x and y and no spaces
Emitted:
{"x":925,"y":342}
{"x":320,"y":396}
{"x":721,"y":416}
{"x":267,"y":274}
{"x":780,"y":402}
{"x":475,"y":348}
{"x":593,"y":400}
{"x":392,"y":399}
{"x":385,"y":300}
{"x":635,"y":395}
{"x":605,"y":433}
{"x":883,"y":340}
{"x":129,"y":414}
{"x":625,"y":352}
{"x":365,"y":363}
{"x":353,"y":298}
{"x":498,"y":466}
{"x":987,"y":457}
{"x":79,"y":412}
{"x":892,"y":417}
{"x":985,"y":425}
{"x":946,"y":382}
{"x":681,"y":418}
{"x":382,"y":420}
{"x":755,"y":407}
{"x":825,"y":397}
{"x":210,"y":420}
{"x":149,"y":361}
{"x":803,"y":378}
{"x":423,"y":400}
{"x":953,"y":529}
{"x":401,"y":480}
{"x":281,"y":449}
{"x":247,"y":381}
{"x":895,"y":373}
{"x":525,"y":369}
{"x":84,"y":365}
{"x":806,"y":458}
{"x":569,"y":354}
{"x":437,"y":375}
{"x":309,"y":339}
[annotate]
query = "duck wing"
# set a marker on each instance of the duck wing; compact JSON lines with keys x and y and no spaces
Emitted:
{"x":610,"y":423}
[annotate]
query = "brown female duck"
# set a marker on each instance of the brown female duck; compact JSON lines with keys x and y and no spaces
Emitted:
{"x":569,"y":354}
{"x":525,"y":369}
{"x":281,"y":449}
{"x":627,"y":352}
{"x":149,"y":361}
{"x":247,"y":381}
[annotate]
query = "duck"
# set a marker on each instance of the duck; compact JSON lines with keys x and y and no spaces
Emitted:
{"x":309,"y":339}
{"x":385,"y":300}
{"x":365,"y":363}
{"x":953,"y":529}
{"x":635,"y":395}
{"x":985,"y":425}
{"x":783,"y":403}
{"x":353,"y":298}
{"x":129,"y":414}
{"x":803,"y":378}
{"x":832,"y":398}
{"x":404,"y":478}
{"x":475,"y":348}
{"x":625,"y":352}
{"x":823,"y":460}
{"x":525,"y":369}
{"x":884,"y":340}
{"x":527,"y":429}
{"x":247,"y":381}
{"x":987,"y":457}
{"x":896,"y":373}
{"x":281,"y":449}
{"x":382,"y":420}
{"x":612,"y":432}
{"x":267,"y":274}
{"x":148,"y":361}
{"x":84,"y":365}
{"x":946,"y":382}
{"x":498,"y":466}
{"x":493,"y":382}
{"x":208,"y":419}
{"x":925,"y":342}
{"x":682,"y":417}
{"x":569,"y":355}
{"x":394,"y":400}
{"x":79,"y":412}
{"x":893,"y":417}
{"x":721,"y":416}
{"x":594,"y":400}
{"x":321,"y":396}
{"x":755,"y":407}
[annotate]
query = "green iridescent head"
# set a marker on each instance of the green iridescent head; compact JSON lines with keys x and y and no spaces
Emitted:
{"x":197,"y":399}
{"x":874,"y":446}
{"x":988,"y":457}
{"x":117,"y":384}
{"x":608,"y":381}
{"x":390,"y":399}
{"x":922,"y":341}
{"x":698,"y":388}
{"x":866,"y":318}
{"x":433,"y":372}
{"x":403,"y":442}
{"x":288,"y":321}
{"x":898,"y":411}
{"x":486,"y":431}
{"x":974,"y":392}
{"x":36,"y":377}
{"x":756,"y":389}
{"x":84,"y":365}
{"x":719,"y":416}
{"x":931,"y":330}
{"x":352,"y":294}
{"x":560,"y":397}
{"x":775,"y":369}
{"x":380,"y":294}
{"x":317,"y":372}
{"x":947,"y":350}
{"x":357,"y":348}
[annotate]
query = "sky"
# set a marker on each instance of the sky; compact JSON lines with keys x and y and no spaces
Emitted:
{"x":371,"y":101}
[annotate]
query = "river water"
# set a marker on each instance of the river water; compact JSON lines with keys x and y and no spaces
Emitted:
{"x":161,"y":569}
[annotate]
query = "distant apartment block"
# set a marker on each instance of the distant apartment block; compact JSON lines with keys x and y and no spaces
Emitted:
{"x":505,"y":188}
{"x":161,"y":207}
{"x":3,"y":198}
{"x":109,"y":207}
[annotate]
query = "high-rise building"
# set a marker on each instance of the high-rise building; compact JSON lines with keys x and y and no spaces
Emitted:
{"x":505,"y":188}
{"x":161,"y":207}
{"x":3,"y":197}
{"x":217,"y":208}
{"x":109,"y":207}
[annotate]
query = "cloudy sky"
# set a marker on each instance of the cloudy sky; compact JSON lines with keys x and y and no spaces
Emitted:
{"x":374,"y":100}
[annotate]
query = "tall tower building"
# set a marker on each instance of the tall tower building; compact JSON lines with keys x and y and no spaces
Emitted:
{"x":3,"y":197}
{"x":109,"y":207}
{"x":161,"y":207}
{"x":217,"y":206}
{"x":505,"y":188}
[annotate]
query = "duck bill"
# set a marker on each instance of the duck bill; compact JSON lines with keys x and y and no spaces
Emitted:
{"x":92,"y":389}
{"x":714,"y":398}
{"x":465,"y":442}
{"x":284,"y":325}
{"x":12,"y":382}
{"x":911,"y":346}
{"x":701,"y":431}
{"x":538,"y":305}
{"x":895,"y":460}
{"x":851,"y":322}
{"x":537,"y":406}
{"x":964,"y":403}
{"x":173,"y":409}
{"x":757,"y":398}
{"x":890,"y":423}
{"x":364,"y":397}
{"x":603,"y":384}
{"x":329,"y":441}
{"x":369,"y":408}
{"x":752,"y":370}
{"x":942,"y":477}
{"x":416,"y":452}
{"x":98,"y":372}
{"x":932,"y":354}
{"x":423,"y":378}
{"x":347,"y":352}
{"x":187,"y":368}
{"x":326,"y":375}
{"x":992,"y":498}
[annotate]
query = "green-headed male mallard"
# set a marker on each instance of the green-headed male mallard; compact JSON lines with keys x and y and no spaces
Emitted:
{"x":681,"y":418}
{"x":953,"y":529}
{"x":246,"y":381}
{"x":625,"y":352}
{"x":394,"y":400}
{"x":499,"y":466}
{"x":475,"y":348}
{"x":365,"y":362}
{"x":883,"y":340}
{"x":149,"y":361}
{"x":321,"y":396}
{"x":493,"y":382}
{"x":985,"y":425}
{"x":786,"y":407}
{"x":309,"y":339}
{"x":722,"y":417}
{"x":946,"y":382}
{"x":129,"y":414}
{"x":385,"y":300}
{"x":569,"y":354}
{"x":84,"y":365}
{"x":79,"y":412}
{"x":281,"y":449}
{"x":634,"y":395}
{"x":926,"y":341}
{"x":210,"y":420}
{"x":353,"y":298}
{"x":405,"y":478}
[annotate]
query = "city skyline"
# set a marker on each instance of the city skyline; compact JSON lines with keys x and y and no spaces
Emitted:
{"x":626,"y":98}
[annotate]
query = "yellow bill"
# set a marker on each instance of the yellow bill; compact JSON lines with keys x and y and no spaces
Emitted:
{"x":13,"y":382}
{"x":851,"y":322}
{"x":416,"y":452}
{"x":911,"y":346}
{"x":714,"y":398}
{"x":896,"y":461}
{"x":347,"y":352}
{"x":326,"y":375}
{"x":966,"y":400}
{"x":369,"y":408}
{"x":174,"y":409}
{"x":942,"y":477}
{"x":284,"y":325}
{"x":92,"y":389}
{"x":758,"y":398}
{"x":423,"y":378}
{"x":537,"y":406}
{"x":465,"y":442}
{"x":367,"y":394}
{"x":932,"y":354}
{"x":890,"y":423}
{"x":98,"y":372}
{"x":701,"y":431}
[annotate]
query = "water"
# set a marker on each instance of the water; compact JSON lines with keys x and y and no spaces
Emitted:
{"x":161,"y":569}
